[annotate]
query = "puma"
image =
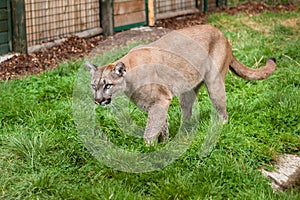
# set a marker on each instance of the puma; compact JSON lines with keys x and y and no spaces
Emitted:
{"x":176,"y":64}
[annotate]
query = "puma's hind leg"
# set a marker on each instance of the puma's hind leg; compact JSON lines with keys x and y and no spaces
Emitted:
{"x":187,"y":100}
{"x":216,"y":89}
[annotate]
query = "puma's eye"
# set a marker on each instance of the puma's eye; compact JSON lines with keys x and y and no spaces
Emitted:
{"x":107,"y":86}
{"x":93,"y":86}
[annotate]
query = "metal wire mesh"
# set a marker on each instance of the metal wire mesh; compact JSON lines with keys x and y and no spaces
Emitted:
{"x":50,"y":19}
{"x":164,"y":6}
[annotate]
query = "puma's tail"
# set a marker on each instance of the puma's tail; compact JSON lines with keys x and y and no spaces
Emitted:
{"x":253,"y":74}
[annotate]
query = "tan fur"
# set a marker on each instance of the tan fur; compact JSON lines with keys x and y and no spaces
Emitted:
{"x":176,"y":64}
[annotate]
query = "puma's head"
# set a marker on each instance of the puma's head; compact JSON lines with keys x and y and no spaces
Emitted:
{"x":107,"y":81}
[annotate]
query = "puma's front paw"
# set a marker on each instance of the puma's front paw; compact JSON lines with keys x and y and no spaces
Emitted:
{"x":163,"y":138}
{"x":151,"y":142}
{"x":225,"y":118}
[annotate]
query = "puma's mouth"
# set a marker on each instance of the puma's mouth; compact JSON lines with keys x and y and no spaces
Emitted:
{"x":103,"y":102}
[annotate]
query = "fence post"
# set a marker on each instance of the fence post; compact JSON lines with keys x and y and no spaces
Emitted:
{"x":106,"y":16}
{"x":205,"y":6}
{"x":19,"y":26}
{"x":151,"y":12}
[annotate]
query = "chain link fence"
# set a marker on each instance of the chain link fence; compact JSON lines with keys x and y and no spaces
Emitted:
{"x":51,"y":19}
{"x":167,"y":8}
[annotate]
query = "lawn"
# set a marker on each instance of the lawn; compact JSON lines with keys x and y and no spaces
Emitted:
{"x":42,"y":155}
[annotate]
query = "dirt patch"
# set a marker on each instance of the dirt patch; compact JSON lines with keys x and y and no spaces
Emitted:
{"x":147,"y":34}
{"x":75,"y":47}
{"x":292,"y":23}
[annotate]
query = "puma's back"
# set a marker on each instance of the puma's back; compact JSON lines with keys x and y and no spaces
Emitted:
{"x":176,"y":64}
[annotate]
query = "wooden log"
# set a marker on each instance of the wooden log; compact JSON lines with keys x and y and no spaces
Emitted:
{"x":287,"y":173}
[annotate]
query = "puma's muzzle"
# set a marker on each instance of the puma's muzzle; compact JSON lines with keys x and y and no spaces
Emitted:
{"x":102,"y":102}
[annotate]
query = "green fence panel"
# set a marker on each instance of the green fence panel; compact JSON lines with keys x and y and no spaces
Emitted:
{"x":5,"y":27}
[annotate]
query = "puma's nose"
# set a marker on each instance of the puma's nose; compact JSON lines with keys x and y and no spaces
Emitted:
{"x":97,"y":101}
{"x":105,"y":102}
{"x":102,"y":102}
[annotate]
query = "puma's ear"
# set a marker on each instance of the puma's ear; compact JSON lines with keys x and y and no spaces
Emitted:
{"x":119,"y":69}
{"x":90,"y":67}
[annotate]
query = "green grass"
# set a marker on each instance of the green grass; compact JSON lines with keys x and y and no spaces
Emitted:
{"x":271,"y":2}
{"x":42,"y":156}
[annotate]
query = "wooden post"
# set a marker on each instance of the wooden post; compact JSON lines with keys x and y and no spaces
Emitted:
{"x":106,"y":16}
{"x":151,"y":12}
{"x":19,"y":26}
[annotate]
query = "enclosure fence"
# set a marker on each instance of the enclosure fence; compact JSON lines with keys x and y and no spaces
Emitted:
{"x":28,"y":23}
{"x":167,"y":8}
{"x":51,"y":19}
{"x":40,"y":21}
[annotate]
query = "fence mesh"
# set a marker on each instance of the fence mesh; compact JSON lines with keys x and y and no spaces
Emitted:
{"x":165,"y":6}
{"x":50,"y":19}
